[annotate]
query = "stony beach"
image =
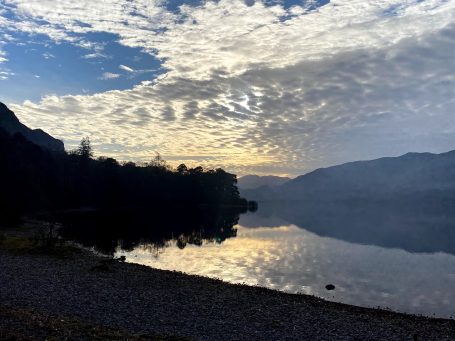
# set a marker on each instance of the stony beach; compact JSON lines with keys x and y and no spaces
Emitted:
{"x":78,"y":295}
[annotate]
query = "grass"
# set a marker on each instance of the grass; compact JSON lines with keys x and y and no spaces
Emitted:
{"x":15,"y":243}
{"x":20,"y":243}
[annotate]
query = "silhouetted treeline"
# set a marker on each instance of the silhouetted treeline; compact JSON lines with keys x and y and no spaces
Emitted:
{"x":34,"y":179}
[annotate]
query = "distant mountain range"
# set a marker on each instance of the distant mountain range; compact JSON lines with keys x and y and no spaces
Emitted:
{"x":406,"y":175}
{"x":256,"y":181}
{"x":11,"y":124}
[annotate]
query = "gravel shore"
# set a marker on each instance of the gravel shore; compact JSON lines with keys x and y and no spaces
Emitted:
{"x":143,"y":302}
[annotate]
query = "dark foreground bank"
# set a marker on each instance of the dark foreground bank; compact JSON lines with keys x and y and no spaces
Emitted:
{"x":53,"y":294}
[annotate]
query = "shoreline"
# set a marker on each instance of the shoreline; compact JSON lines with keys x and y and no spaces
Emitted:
{"x":134,"y":299}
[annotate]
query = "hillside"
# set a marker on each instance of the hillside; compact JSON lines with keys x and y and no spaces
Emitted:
{"x":409,"y":174}
{"x":255,"y":181}
{"x":11,"y":124}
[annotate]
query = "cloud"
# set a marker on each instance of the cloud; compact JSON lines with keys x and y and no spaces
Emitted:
{"x":125,"y":68}
{"x":3,"y":58}
{"x":5,"y":75}
{"x":48,"y":55}
{"x":95,"y":55}
{"x":109,"y":75}
{"x":262,"y":88}
{"x":235,"y":37}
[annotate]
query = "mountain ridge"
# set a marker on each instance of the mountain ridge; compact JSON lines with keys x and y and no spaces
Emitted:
{"x":255,"y":181}
{"x":409,"y":173}
{"x":12,"y":125}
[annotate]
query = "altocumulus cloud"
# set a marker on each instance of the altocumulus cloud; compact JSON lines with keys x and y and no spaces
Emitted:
{"x":260,"y":88}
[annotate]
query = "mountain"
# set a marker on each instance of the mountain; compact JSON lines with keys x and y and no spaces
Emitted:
{"x":406,"y":175}
{"x":11,"y":124}
{"x":255,"y":181}
{"x":259,"y":187}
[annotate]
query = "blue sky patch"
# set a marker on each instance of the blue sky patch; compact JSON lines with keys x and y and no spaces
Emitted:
{"x":44,"y":67}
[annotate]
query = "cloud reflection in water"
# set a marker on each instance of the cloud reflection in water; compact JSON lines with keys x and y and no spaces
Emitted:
{"x":294,"y":260}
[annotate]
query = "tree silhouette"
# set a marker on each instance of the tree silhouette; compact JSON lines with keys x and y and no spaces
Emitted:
{"x":159,"y":162}
{"x":37,"y":180}
{"x":85,"y":149}
{"x":182,"y":169}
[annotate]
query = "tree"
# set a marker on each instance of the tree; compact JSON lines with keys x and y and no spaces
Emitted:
{"x":85,"y":149}
{"x":182,"y":169}
{"x":159,"y":163}
{"x":197,"y":170}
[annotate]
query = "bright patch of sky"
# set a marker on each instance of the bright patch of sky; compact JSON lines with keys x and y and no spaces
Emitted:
{"x":272,"y":86}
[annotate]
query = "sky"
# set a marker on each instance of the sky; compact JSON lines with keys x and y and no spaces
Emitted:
{"x":255,"y":87}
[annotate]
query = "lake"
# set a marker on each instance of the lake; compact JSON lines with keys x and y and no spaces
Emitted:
{"x":399,"y":256}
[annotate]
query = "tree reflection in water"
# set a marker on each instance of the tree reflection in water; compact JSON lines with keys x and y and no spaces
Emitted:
{"x":106,"y":231}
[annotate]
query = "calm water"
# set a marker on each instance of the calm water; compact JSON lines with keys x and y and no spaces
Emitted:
{"x":399,"y":256}
{"x":295,"y":260}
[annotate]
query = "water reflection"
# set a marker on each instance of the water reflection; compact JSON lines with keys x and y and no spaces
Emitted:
{"x":106,"y":231}
{"x":415,"y":226}
{"x":292,"y":259}
{"x":397,"y":255}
